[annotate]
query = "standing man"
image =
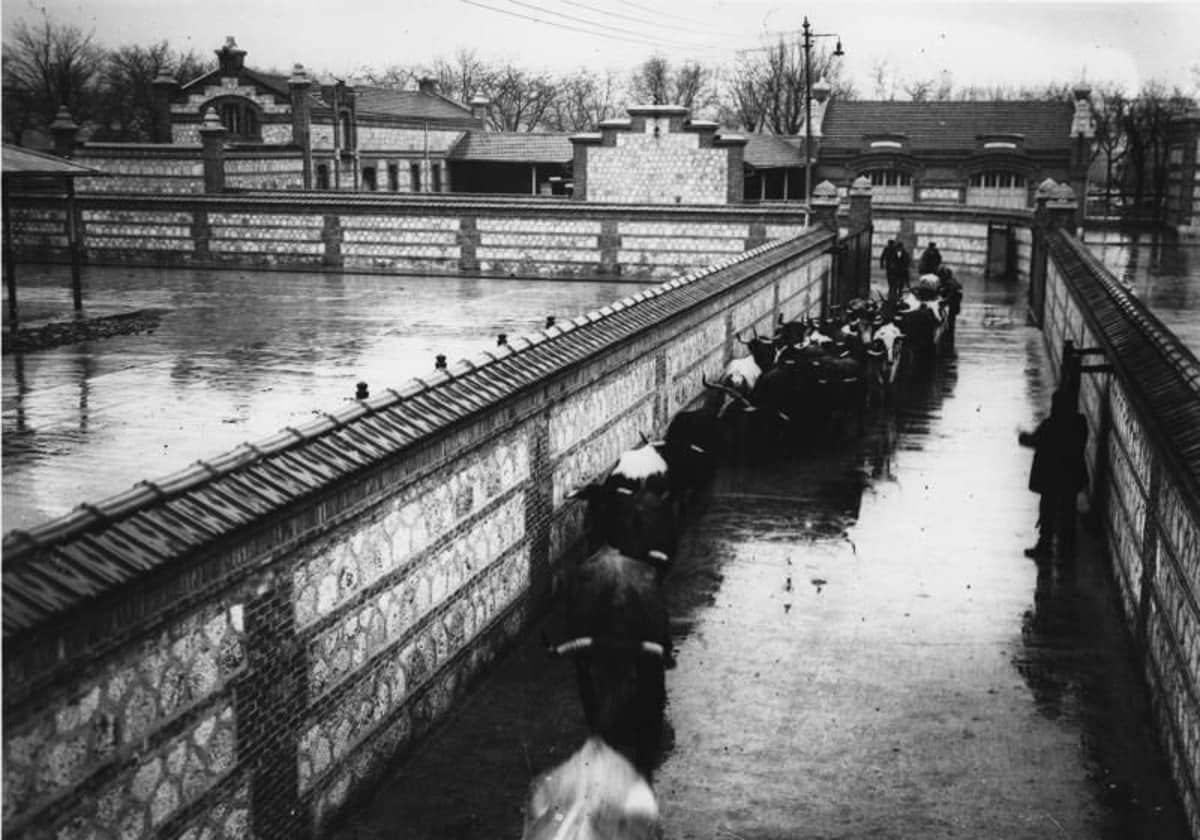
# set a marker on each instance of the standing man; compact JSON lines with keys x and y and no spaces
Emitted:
{"x":931,"y":260}
{"x":895,"y":260}
{"x":1059,"y":472}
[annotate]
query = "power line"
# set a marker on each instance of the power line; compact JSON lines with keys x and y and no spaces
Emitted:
{"x":577,"y":19}
{"x":610,"y":13}
{"x":511,"y":13}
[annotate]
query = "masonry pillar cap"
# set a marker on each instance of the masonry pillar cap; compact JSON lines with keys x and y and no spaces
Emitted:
{"x":212,"y":123}
{"x":1046,"y":188}
{"x":1082,"y":90}
{"x":821,"y":90}
{"x":63,"y":121}
{"x":861,"y":186}
{"x":299,"y":76}
{"x":1062,"y":193}
{"x":165,"y":79}
{"x":825,"y":192}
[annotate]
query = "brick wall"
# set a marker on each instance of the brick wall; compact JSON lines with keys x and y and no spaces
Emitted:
{"x":259,"y":636}
{"x":1144,"y":486}
{"x":518,"y":237}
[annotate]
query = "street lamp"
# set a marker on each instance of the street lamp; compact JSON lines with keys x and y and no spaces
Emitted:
{"x":838,"y":53}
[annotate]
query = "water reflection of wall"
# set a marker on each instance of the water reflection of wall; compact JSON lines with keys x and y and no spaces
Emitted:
{"x":1161,"y":269}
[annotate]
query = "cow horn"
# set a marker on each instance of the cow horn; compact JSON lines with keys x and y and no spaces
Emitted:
{"x":659,"y":557}
{"x":571,"y":646}
{"x":653,"y":648}
{"x":716,"y":386}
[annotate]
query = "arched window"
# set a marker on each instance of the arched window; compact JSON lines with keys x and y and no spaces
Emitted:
{"x":998,"y":188}
{"x":240,"y":117}
{"x":890,"y":185}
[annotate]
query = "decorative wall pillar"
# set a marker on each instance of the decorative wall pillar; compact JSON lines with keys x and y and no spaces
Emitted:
{"x":824,"y":206}
{"x":298,"y":87}
{"x":212,"y":137}
{"x":64,"y":130}
{"x":860,"y":204}
{"x":162,"y":89}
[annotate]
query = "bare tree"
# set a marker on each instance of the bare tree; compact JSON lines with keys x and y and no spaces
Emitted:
{"x":884,"y":80}
{"x":520,"y":100}
{"x":125,"y":98}
{"x":919,"y":90}
{"x":583,"y":100}
{"x":769,"y":87}
{"x":464,"y":76}
{"x":1109,"y":105}
{"x":1147,"y":133}
{"x":47,"y":65}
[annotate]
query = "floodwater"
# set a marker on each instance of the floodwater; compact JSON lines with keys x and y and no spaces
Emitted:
{"x":1162,"y":270}
{"x":863,"y":650}
{"x":237,"y":357}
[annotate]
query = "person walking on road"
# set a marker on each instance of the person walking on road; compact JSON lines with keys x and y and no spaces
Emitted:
{"x":1058,"y":473}
{"x":895,"y":260}
{"x":931,"y":260}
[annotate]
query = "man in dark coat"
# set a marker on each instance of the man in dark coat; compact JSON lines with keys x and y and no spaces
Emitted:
{"x":931,"y":260}
{"x":1059,"y":472}
{"x":895,"y":260}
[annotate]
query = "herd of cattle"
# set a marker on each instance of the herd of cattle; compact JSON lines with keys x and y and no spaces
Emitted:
{"x":808,"y":377}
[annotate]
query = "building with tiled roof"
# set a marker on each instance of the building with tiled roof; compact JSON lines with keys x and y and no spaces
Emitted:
{"x":976,"y":153}
{"x":774,"y":167}
{"x":511,"y":162}
{"x":345,"y":136}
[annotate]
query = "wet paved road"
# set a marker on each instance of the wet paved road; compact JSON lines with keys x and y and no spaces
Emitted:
{"x":863,"y":650}
{"x":238,"y":356}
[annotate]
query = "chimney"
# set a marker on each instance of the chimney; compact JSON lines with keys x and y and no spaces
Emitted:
{"x":427,"y":85}
{"x":480,"y":105}
{"x":231,"y":58}
{"x":298,"y":87}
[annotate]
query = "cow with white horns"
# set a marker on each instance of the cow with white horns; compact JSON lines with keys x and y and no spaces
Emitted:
{"x":618,"y":635}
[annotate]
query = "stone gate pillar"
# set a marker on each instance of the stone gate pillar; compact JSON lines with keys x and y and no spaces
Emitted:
{"x":163,"y":88}
{"x":212,"y":136}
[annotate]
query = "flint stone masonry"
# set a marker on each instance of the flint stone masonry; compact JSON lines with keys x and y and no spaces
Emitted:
{"x":197,"y":102}
{"x":320,"y":600}
{"x":1144,"y":486}
{"x":379,"y":137}
{"x":528,"y":238}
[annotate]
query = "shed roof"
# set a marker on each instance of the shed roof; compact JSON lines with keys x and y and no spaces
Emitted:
{"x":770,"y":151}
{"x":513,"y":147}
{"x":409,"y":104}
{"x":21,"y":161}
{"x":947,"y":126}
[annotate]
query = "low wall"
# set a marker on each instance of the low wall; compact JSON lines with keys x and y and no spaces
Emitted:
{"x":1145,"y":468}
{"x":243,"y":648}
{"x":961,"y":233}
{"x":422,"y":234}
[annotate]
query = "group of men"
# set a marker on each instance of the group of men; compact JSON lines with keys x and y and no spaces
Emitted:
{"x":896,"y":261}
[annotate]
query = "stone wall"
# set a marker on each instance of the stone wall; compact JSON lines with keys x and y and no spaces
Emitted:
{"x":510,"y":237}
{"x":255,"y":639}
{"x":961,"y":233}
{"x":154,"y":170}
{"x":1144,"y":485}
{"x":666,"y":169}
{"x":264,"y":172}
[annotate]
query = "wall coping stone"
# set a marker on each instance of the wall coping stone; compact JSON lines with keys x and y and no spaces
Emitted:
{"x":72,"y":572}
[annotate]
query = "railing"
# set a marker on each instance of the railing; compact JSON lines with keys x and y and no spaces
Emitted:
{"x":1144,"y":454}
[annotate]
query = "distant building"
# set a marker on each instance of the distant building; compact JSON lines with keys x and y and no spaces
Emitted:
{"x":1183,"y":173}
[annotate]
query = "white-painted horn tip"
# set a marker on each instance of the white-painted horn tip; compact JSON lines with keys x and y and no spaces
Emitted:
{"x":640,"y":802}
{"x":653,"y":648}
{"x":658,"y":556}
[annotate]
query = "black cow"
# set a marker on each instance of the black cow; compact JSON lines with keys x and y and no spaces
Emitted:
{"x":617,"y":633}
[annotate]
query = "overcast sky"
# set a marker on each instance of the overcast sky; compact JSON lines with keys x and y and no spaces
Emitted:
{"x":976,"y":43}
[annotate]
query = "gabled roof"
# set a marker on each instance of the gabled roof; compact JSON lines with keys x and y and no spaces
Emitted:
{"x":274,"y":82}
{"x":513,"y":147}
{"x":20,"y":161}
{"x":409,"y":104}
{"x":947,"y":126}
{"x":772,"y":151}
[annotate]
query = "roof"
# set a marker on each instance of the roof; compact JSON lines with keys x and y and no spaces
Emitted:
{"x":513,"y":147}
{"x":274,"y":82}
{"x":769,"y":151}
{"x":947,"y":126}
{"x":411,"y":104}
{"x":19,"y":161}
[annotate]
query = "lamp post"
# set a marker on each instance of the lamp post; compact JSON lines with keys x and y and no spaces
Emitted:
{"x":838,"y":52}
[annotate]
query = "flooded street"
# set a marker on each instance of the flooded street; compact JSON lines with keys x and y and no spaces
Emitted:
{"x":863,"y":650}
{"x":236,"y":357}
{"x":1162,"y":270}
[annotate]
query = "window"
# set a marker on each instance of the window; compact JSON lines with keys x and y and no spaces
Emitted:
{"x":368,"y":179}
{"x":998,"y":179}
{"x":240,"y":117}
{"x":435,"y":175}
{"x":347,"y":130}
{"x":889,"y":178}
{"x":414,"y":177}
{"x":394,"y":177}
{"x":322,"y":176}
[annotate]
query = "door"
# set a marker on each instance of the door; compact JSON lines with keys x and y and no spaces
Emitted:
{"x":1001,"y":253}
